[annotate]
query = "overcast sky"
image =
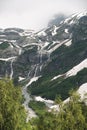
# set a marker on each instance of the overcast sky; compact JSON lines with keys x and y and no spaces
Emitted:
{"x":34,"y":14}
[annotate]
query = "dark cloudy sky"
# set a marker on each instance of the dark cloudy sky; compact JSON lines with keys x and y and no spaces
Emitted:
{"x":34,"y":14}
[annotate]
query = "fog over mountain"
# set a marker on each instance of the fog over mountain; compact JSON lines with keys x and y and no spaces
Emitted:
{"x":35,"y":14}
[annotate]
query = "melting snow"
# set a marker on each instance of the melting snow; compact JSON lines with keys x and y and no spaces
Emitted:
{"x":0,"y":42}
{"x":46,"y":44}
{"x":48,"y":103}
{"x":21,"y":78}
{"x":71,"y":22}
{"x":81,"y":14}
{"x":54,"y":31}
{"x":68,"y":43}
{"x":42,"y":33}
{"x":42,"y":99}
{"x":32,"y":80}
{"x":56,"y":77}
{"x":77,"y":68}
{"x":54,"y":107}
{"x":66,"y":31}
{"x":7,"y":59}
{"x":82,"y":90}
{"x":74,"y":70}
{"x":11,"y":45}
{"x":2,"y":36}
{"x":57,"y":46}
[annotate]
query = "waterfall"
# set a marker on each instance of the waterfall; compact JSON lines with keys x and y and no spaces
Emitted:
{"x":30,"y":112}
{"x":11,"y":75}
{"x":32,"y":76}
{"x":36,"y":70}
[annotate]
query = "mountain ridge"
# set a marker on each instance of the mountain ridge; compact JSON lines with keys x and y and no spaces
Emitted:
{"x":50,"y":52}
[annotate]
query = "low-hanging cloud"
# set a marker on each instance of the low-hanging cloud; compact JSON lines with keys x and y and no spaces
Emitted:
{"x":34,"y":14}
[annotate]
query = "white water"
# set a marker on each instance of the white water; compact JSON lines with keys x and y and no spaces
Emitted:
{"x":30,"y":112}
{"x":36,"y":69}
{"x":11,"y":75}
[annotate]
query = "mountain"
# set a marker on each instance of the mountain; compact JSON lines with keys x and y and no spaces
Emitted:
{"x":56,"y":20}
{"x":55,"y":56}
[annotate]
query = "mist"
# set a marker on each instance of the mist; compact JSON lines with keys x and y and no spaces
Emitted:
{"x":35,"y":14}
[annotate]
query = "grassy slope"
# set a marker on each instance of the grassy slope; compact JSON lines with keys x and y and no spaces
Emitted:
{"x":60,"y":86}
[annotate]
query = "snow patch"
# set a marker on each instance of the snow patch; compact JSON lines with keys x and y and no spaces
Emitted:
{"x":12,"y":41}
{"x":7,"y":59}
{"x":32,"y":80}
{"x":71,"y":22}
{"x":77,"y":68}
{"x":48,"y":103}
{"x":68,"y":43}
{"x":66,"y":31}
{"x":82,"y":90}
{"x":11,"y":45}
{"x":42,"y":33}
{"x":21,"y":78}
{"x":81,"y":15}
{"x":54,"y":107}
{"x":54,"y":31}
{"x":46,"y":44}
{"x":43,"y":100}
{"x":74,"y":70}
{"x":57,"y":46}
{"x":1,"y":42}
{"x":2,"y":36}
{"x":56,"y":77}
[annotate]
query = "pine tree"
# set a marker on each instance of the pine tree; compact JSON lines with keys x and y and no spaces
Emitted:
{"x":12,"y":114}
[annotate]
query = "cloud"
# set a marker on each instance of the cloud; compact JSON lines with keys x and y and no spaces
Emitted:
{"x":35,"y":14}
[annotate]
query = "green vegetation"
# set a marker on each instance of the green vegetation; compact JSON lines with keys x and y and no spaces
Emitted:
{"x":49,"y":89}
{"x":38,"y":107}
{"x":4,"y":45}
{"x":12,"y":114}
{"x":64,"y":58}
{"x":71,"y":116}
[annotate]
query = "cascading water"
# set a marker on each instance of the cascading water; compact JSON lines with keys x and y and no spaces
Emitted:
{"x":11,"y":75}
{"x":32,"y":76}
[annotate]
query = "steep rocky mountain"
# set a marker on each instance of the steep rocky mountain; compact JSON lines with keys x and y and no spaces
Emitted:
{"x":56,"y":55}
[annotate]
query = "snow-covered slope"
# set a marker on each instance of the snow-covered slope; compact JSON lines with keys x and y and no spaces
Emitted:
{"x":77,"y":68}
{"x":27,"y":55}
{"x":83,"y":90}
{"x":73,"y":71}
{"x":83,"y":94}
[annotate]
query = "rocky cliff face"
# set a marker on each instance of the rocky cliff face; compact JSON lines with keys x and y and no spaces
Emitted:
{"x":47,"y":53}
